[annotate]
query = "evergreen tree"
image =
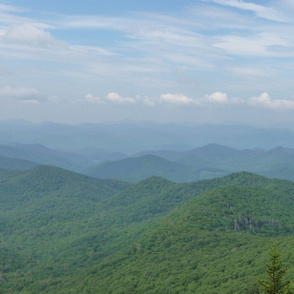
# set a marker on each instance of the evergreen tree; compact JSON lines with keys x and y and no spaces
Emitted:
{"x":276,"y":272}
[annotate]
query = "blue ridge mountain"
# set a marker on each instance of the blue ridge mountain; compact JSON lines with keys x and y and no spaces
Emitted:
{"x":134,"y":137}
{"x":62,"y":232}
{"x":199,"y":163}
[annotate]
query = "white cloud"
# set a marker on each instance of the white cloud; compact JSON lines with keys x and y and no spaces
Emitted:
{"x":261,"y":11}
{"x":254,"y":45}
{"x":250,"y":72}
{"x":145,"y":100}
{"x":265,"y":101}
{"x":217,"y":97}
{"x":9,"y":8}
{"x":26,"y":95}
{"x":216,"y":100}
{"x":93,"y":99}
{"x":112,"y":97}
{"x":116,"y":98}
{"x":29,"y":34}
{"x":176,"y":99}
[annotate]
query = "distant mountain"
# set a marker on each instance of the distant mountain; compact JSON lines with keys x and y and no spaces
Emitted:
{"x":199,"y":163}
{"x":66,"y":233}
{"x":135,"y":137}
{"x":277,"y":162}
{"x":16,"y":164}
{"x":75,"y":160}
{"x":99,"y":155}
{"x":137,"y":168}
{"x":166,"y":154}
{"x":43,"y":155}
{"x":41,"y":181}
{"x":211,"y":153}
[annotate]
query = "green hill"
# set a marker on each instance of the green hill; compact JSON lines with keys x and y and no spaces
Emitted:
{"x":16,"y":164}
{"x":200,"y":163}
{"x":277,"y":162}
{"x":215,"y":243}
{"x":134,"y":169}
{"x":46,"y":156}
{"x":66,"y":233}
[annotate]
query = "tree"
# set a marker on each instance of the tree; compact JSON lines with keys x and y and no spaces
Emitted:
{"x":276,"y":272}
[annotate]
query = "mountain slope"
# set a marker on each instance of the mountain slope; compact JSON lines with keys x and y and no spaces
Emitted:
{"x":200,"y":163}
{"x":43,"y":155}
{"x":215,"y":243}
{"x":138,"y":168}
{"x":16,"y":164}
{"x":67,"y":233}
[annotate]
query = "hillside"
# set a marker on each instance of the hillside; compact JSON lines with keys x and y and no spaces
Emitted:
{"x":16,"y":164}
{"x":45,"y":156}
{"x":44,"y":211}
{"x":215,"y":243}
{"x":72,"y":160}
{"x":66,"y":233}
{"x":205,"y":162}
{"x":134,"y":169}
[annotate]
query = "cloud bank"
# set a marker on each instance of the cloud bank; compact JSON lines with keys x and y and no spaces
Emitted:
{"x":29,"y":34}
{"x":216,"y":99}
{"x":25,"y":95}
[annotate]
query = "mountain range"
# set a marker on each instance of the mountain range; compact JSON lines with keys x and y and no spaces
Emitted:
{"x":139,"y":208}
{"x":133,"y":137}
{"x":200,"y":163}
{"x":205,"y":162}
{"x":62,"y":232}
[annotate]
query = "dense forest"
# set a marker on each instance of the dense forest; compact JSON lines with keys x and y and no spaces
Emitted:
{"x":62,"y":232}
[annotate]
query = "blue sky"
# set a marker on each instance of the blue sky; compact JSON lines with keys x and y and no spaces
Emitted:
{"x":210,"y":61}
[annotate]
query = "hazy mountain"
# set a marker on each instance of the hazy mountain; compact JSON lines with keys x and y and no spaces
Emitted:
{"x":44,"y":155}
{"x":134,"y":137}
{"x":199,"y":163}
{"x":137,"y":168}
{"x":16,"y":164}
{"x":99,"y":155}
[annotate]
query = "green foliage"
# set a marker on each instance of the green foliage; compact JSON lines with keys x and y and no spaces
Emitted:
{"x":16,"y":164}
{"x":276,"y":274}
{"x":65,"y":233}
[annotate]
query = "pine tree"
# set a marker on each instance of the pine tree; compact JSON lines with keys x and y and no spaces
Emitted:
{"x":276,"y":272}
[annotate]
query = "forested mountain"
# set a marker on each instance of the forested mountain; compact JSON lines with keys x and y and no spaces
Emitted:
{"x":16,"y":164}
{"x":120,"y":150}
{"x":200,"y":163}
{"x":40,"y":155}
{"x":134,"y":169}
{"x":66,"y":233}
{"x":43,"y":155}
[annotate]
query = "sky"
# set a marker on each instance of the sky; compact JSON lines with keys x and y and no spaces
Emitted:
{"x":203,"y":61}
